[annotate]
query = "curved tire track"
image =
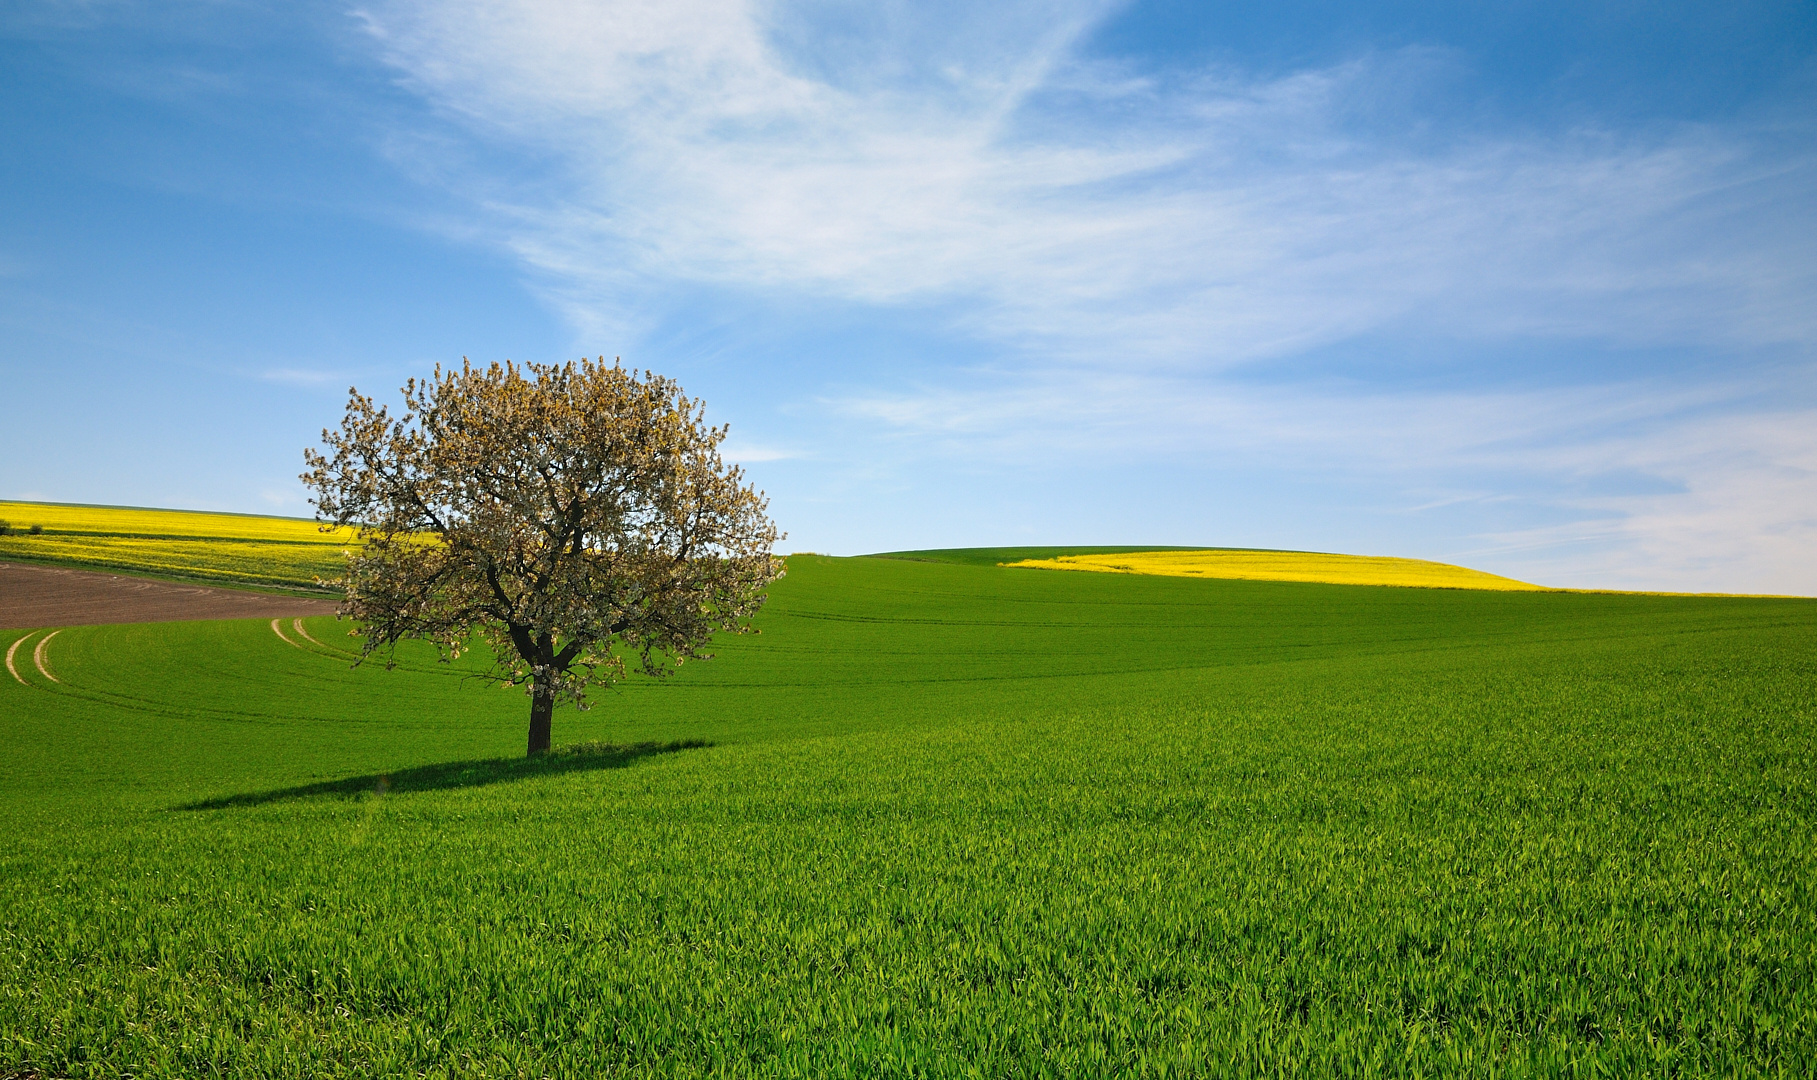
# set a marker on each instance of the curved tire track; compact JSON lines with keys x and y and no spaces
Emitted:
{"x":297,"y":625}
{"x":14,"y":651}
{"x":39,"y":657}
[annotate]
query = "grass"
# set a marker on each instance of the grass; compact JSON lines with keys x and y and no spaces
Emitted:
{"x":1281,"y":566}
{"x":953,"y":820}
{"x":241,"y":550}
{"x":576,"y":757}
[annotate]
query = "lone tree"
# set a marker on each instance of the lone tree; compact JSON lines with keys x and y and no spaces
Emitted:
{"x":573,"y":516}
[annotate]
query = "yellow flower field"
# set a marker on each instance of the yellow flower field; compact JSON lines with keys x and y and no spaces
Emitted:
{"x":132,"y":521}
{"x":232,"y":549}
{"x":1286,"y":566}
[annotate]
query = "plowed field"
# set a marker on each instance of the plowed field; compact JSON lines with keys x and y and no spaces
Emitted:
{"x":33,"y":596}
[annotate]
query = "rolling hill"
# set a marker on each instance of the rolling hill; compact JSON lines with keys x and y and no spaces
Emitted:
{"x":940,"y":817}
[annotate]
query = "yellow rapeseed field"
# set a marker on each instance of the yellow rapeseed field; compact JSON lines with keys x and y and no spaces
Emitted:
{"x":134,"y":521}
{"x":1286,"y":566}
{"x":237,"y":549}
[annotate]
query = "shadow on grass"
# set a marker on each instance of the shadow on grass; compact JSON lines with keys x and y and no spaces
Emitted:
{"x":580,"y":757}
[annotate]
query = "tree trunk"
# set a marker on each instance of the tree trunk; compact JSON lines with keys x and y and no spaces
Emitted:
{"x":542,"y":711}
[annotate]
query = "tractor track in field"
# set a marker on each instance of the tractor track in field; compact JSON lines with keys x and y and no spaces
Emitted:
{"x":314,"y":646}
{"x":39,"y":655}
{"x":12,"y":652}
{"x":40,"y":658}
{"x":45,"y":596}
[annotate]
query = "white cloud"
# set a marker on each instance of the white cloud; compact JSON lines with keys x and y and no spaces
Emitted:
{"x":1644,"y":486}
{"x":1204,"y":222}
{"x":1741,"y":517}
{"x":1120,"y":239}
{"x":750,"y":453}
{"x":301,"y":376}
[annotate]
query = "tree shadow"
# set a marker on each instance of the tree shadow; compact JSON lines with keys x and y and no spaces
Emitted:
{"x":445,"y":776}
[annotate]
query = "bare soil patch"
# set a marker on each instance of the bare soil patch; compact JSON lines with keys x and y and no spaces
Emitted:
{"x":35,"y":596}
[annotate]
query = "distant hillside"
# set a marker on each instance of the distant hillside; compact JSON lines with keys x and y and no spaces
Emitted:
{"x":1245,"y":564}
{"x":242,"y":550}
{"x":1303,"y":566}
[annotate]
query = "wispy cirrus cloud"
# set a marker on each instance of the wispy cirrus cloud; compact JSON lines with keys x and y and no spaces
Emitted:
{"x":746,"y":453}
{"x":1634,"y":484}
{"x":1130,"y":248}
{"x":1739,"y":516}
{"x":302,"y":376}
{"x":1072,"y":206}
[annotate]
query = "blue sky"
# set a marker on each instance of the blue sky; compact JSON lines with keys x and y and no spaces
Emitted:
{"x":1527,"y":287}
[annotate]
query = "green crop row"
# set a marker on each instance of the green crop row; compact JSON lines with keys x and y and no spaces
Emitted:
{"x":936,"y":820}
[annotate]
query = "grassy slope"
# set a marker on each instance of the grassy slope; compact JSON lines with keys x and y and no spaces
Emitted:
{"x":957,"y":818}
{"x":1285,"y":566}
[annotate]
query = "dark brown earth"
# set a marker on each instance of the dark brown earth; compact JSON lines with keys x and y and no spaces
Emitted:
{"x":44,"y":596}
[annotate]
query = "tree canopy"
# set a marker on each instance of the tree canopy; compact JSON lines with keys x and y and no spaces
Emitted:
{"x":574,"y":517}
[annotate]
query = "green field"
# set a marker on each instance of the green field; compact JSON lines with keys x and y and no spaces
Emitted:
{"x":953,"y":820}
